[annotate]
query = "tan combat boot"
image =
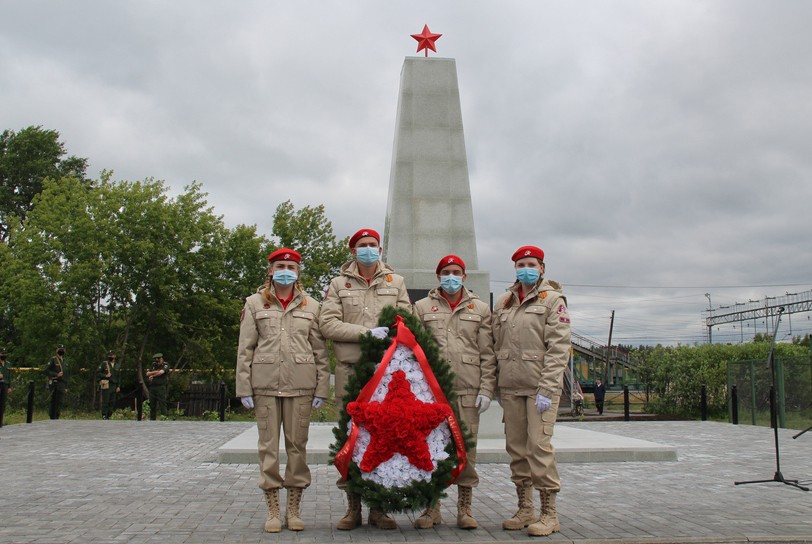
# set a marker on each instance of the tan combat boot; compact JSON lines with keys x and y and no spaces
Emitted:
{"x":272,"y":523}
{"x":526,"y":514}
{"x":292,"y":517}
{"x":381,"y":519}
{"x":465,"y":520}
{"x":352,"y":518}
{"x":429,"y":518}
{"x":548,"y":524}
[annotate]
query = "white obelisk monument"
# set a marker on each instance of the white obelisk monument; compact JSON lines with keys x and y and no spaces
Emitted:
{"x":429,"y":213}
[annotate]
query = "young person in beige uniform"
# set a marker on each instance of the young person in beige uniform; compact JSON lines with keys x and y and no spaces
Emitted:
{"x":461,"y":324}
{"x":283,"y":370}
{"x":350,"y":309}
{"x":531,"y":331}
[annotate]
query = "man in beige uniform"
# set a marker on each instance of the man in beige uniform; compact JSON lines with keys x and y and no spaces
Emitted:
{"x":531,"y":331}
{"x":461,"y":324}
{"x":351,"y":309}
{"x":283,"y":370}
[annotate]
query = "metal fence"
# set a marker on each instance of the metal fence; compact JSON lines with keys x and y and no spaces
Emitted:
{"x":749,"y":385}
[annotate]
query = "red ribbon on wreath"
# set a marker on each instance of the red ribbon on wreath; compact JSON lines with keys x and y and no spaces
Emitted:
{"x":406,"y":337}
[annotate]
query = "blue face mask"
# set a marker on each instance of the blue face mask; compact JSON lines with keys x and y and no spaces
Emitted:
{"x":367,"y":255}
{"x":451,"y":284}
{"x":284,"y":277}
{"x":528,"y":276}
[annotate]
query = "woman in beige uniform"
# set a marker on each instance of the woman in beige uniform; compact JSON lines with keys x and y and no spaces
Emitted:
{"x":461,"y":324}
{"x":283,"y":371}
{"x":531,"y":331}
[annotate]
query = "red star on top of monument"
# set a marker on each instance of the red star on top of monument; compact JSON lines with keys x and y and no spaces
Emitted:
{"x":426,"y":39}
{"x":399,"y":424}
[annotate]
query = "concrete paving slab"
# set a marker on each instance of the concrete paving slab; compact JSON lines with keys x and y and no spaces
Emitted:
{"x":573,"y":444}
{"x":138,"y":482}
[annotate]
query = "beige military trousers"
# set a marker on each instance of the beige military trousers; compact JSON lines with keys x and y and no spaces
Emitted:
{"x":528,"y":440}
{"x":293,"y":415}
{"x":466,"y":408}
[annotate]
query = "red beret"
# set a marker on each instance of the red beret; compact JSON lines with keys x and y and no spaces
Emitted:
{"x":362,"y":234}
{"x":528,"y":251}
{"x":285,"y":254}
{"x":450,"y":259}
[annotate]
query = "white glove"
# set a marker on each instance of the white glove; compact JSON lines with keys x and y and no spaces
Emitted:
{"x":483,"y":403}
{"x":248,"y":402}
{"x":317,"y":402}
{"x":542,"y":403}
{"x":379,"y":332}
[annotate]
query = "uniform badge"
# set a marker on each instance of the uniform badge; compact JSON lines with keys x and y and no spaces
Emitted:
{"x":267,"y":306}
{"x":348,"y":285}
{"x":389,"y":277}
{"x":543,"y":295}
{"x":561,"y":309}
{"x":471,"y":306}
{"x":564,"y":319}
{"x":435,"y":309}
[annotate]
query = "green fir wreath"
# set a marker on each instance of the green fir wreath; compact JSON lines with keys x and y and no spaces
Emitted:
{"x":420,"y":494}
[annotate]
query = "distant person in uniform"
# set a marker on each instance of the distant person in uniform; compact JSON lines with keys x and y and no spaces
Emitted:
{"x":109,"y":377}
{"x":600,"y":394}
{"x":5,"y":382}
{"x":461,"y":324}
{"x":157,"y":378}
{"x":56,"y":373}
{"x":283,"y":371}
{"x":350,"y":309}
{"x":531,"y":331}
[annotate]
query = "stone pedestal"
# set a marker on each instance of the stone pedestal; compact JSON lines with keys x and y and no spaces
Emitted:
{"x":429,"y":213}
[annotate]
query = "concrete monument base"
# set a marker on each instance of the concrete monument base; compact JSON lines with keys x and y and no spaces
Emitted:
{"x":573,"y":445}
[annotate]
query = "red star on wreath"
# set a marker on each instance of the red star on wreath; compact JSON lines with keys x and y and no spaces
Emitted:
{"x":426,"y":39}
{"x":399,"y":424}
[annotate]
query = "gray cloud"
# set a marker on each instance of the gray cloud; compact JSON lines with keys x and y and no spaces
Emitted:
{"x":640,"y":144}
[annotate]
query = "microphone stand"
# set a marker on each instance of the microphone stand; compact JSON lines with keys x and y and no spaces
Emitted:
{"x":777,"y":477}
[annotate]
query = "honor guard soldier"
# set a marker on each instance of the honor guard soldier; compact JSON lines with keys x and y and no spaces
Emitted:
{"x":350,"y":309}
{"x":283,"y":371}
{"x":461,"y":324}
{"x":109,"y":377}
{"x":5,"y":382}
{"x":56,"y":373}
{"x":531,"y":331}
{"x":158,"y":378}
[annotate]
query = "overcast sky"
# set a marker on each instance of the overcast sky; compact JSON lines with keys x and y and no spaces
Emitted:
{"x":656,"y":150}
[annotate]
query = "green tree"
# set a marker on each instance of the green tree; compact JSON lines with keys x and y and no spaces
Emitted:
{"x":309,"y":232}
{"x":27,"y":158}
{"x":677,"y":373}
{"x":122,"y":265}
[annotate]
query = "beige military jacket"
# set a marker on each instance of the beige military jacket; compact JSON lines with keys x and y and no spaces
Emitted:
{"x":532,"y":340}
{"x":281,"y":351}
{"x":352,"y":306}
{"x":465,"y":339}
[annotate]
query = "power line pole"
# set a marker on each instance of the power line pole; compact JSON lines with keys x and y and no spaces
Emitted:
{"x":710,"y":327}
{"x":609,"y":349}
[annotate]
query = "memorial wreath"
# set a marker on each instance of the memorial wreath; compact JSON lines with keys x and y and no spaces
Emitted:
{"x":399,"y":442}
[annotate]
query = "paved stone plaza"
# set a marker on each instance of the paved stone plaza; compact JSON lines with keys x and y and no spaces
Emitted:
{"x":118,"y":481}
